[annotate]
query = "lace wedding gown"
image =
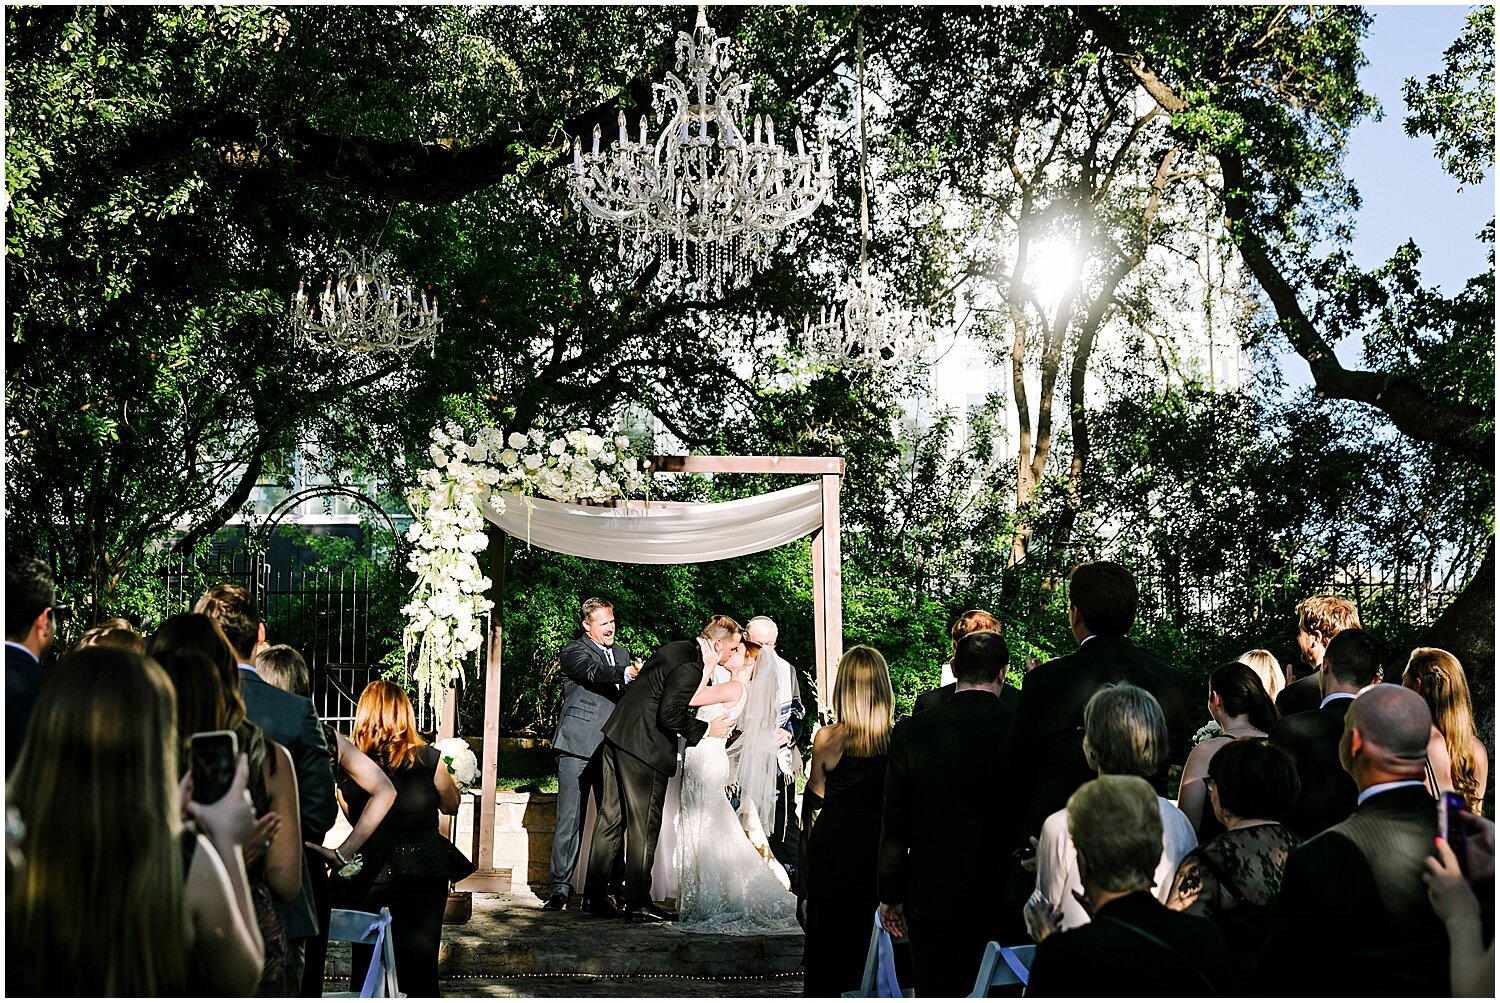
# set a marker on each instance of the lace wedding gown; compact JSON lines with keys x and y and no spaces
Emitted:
{"x":723,"y":884}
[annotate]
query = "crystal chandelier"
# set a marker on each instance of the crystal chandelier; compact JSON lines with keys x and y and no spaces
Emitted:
{"x":867,"y":332}
{"x":366,"y":311}
{"x":706,"y":195}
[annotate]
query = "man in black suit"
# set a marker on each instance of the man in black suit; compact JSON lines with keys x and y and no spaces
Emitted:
{"x":968,"y":621}
{"x":30,"y":626}
{"x":595,"y":672}
{"x":291,"y":721}
{"x":1319,"y":620}
{"x":1133,"y":945}
{"x":640,"y":753}
{"x":1043,"y":753}
{"x":1358,"y":886}
{"x":1350,"y":663}
{"x":942,"y":862}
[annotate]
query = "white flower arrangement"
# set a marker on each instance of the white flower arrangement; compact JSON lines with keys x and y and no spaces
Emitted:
{"x":460,"y":760}
{"x":447,"y":616}
{"x":1207,"y":733}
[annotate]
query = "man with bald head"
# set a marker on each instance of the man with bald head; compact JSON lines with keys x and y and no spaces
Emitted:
{"x":1358,"y":885}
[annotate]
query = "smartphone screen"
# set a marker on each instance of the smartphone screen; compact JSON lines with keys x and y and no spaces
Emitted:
{"x":1451,"y":809}
{"x":215,"y":754}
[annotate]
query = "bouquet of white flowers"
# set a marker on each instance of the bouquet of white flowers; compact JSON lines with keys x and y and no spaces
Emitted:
{"x":460,"y":760}
{"x":575,"y":466}
{"x":1208,"y":732}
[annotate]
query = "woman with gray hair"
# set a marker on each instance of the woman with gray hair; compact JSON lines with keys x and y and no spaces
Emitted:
{"x":1124,"y":733}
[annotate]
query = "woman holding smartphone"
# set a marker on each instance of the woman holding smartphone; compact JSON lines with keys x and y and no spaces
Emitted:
{"x":121,"y":899}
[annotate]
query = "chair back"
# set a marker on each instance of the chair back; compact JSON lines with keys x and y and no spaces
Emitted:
{"x":879,"y":979}
{"x":1002,"y":966}
{"x":355,"y":927}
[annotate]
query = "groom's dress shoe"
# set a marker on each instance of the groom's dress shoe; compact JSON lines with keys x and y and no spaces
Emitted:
{"x":650,"y":914}
{"x":602,"y":909}
{"x":556,"y":902}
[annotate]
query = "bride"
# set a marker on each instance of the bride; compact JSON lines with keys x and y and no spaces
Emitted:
{"x":726,"y":885}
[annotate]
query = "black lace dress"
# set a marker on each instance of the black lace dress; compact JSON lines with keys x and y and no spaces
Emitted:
{"x":1234,"y":880}
{"x":838,"y":874}
{"x":407,"y":867}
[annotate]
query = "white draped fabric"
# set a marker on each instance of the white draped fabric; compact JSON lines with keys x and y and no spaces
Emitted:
{"x":659,"y":534}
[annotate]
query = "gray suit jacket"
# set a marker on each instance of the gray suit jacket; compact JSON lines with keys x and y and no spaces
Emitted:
{"x":592,"y":685}
{"x":292,"y":721}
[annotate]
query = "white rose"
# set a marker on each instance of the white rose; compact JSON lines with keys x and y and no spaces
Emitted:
{"x":508,"y":456}
{"x":532,"y":461}
{"x":478,"y":454}
{"x":517,"y":440}
{"x":439,"y":458}
{"x":594,"y":443}
{"x":557,"y":447}
{"x":490,"y":476}
{"x":622,"y":442}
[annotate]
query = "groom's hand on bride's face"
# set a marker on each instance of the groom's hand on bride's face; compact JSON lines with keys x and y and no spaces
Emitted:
{"x":720,"y":726}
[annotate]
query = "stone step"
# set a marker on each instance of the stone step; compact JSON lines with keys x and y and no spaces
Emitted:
{"x":511,"y":935}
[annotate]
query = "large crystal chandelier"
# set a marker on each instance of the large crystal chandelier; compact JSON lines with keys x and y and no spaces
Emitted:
{"x":866,"y":332}
{"x":366,"y":311}
{"x":706,"y":194}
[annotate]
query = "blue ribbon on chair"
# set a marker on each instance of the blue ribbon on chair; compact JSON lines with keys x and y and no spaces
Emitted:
{"x":886,"y":985}
{"x":1015,"y":965}
{"x":376,"y":971}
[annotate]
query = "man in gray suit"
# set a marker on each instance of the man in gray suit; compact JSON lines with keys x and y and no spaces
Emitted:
{"x":595,"y":672}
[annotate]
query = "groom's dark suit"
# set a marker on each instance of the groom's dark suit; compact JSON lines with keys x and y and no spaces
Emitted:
{"x":640,"y":753}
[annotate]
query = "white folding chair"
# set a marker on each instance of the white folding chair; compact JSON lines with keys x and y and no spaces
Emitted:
{"x":356,"y":927}
{"x":1002,"y":966}
{"x":869,"y":985}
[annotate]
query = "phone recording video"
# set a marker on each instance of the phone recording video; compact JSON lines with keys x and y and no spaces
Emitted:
{"x":215,"y":755}
{"x":1451,"y":810}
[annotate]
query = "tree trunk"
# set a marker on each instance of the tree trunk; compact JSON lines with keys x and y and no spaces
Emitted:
{"x":1467,"y":629}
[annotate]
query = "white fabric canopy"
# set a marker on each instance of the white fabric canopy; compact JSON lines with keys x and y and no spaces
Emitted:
{"x":661,"y":534}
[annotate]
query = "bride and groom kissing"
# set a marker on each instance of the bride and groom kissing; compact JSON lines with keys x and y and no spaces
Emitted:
{"x":696,"y":691}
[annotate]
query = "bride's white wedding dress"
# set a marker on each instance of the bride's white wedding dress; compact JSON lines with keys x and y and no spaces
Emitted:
{"x":724,"y":886}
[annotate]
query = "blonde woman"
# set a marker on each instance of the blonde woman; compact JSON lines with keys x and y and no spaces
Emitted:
{"x":117,"y":897}
{"x":841,"y":811}
{"x":1265,"y":666}
{"x":1457,"y":758}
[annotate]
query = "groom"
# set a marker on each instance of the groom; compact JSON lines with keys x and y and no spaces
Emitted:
{"x":640,"y":753}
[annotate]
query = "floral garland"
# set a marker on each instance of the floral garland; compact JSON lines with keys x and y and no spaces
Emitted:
{"x":446,"y":618}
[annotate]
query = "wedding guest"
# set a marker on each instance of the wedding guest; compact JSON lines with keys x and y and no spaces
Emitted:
{"x":30,"y":626}
{"x":1457,"y":758}
{"x":1235,"y":877}
{"x":595,"y":671}
{"x":1241,"y":709}
{"x":1320,"y":619}
{"x":1358,"y":886}
{"x":1267,"y":668}
{"x":1135,"y":946}
{"x":274,"y":860}
{"x":115,"y":633}
{"x":1327,"y":793}
{"x":407,"y":864}
{"x":943,"y":817}
{"x":968,"y":622}
{"x":119,"y":899}
{"x":292,"y":721}
{"x":1043,"y":756}
{"x":283,"y":666}
{"x":841,"y":814}
{"x":1124,"y":734}
{"x":786,"y":835}
{"x":1471,"y":965}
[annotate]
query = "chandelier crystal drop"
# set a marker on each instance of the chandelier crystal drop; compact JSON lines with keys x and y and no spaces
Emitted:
{"x":867,"y":333}
{"x":366,"y":311}
{"x":707,"y":194}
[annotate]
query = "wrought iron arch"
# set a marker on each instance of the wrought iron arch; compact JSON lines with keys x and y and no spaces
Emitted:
{"x":260,"y":535}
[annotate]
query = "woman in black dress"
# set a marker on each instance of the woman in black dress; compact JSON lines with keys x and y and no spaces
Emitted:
{"x":407,"y":865}
{"x":841,"y":811}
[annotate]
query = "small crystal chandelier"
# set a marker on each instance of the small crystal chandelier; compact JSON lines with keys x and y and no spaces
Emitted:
{"x":704,"y":180}
{"x":365,"y":311}
{"x":867,"y":333}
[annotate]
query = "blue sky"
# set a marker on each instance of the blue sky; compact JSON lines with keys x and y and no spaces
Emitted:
{"x":1405,"y":192}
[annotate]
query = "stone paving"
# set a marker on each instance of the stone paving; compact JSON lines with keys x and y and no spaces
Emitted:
{"x":511,"y":947}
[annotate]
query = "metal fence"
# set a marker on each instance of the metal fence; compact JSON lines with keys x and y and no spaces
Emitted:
{"x":334,"y":617}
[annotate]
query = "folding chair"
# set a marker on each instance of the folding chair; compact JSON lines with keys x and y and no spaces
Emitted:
{"x":356,"y":927}
{"x":1002,"y":966}
{"x":880,"y":966}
